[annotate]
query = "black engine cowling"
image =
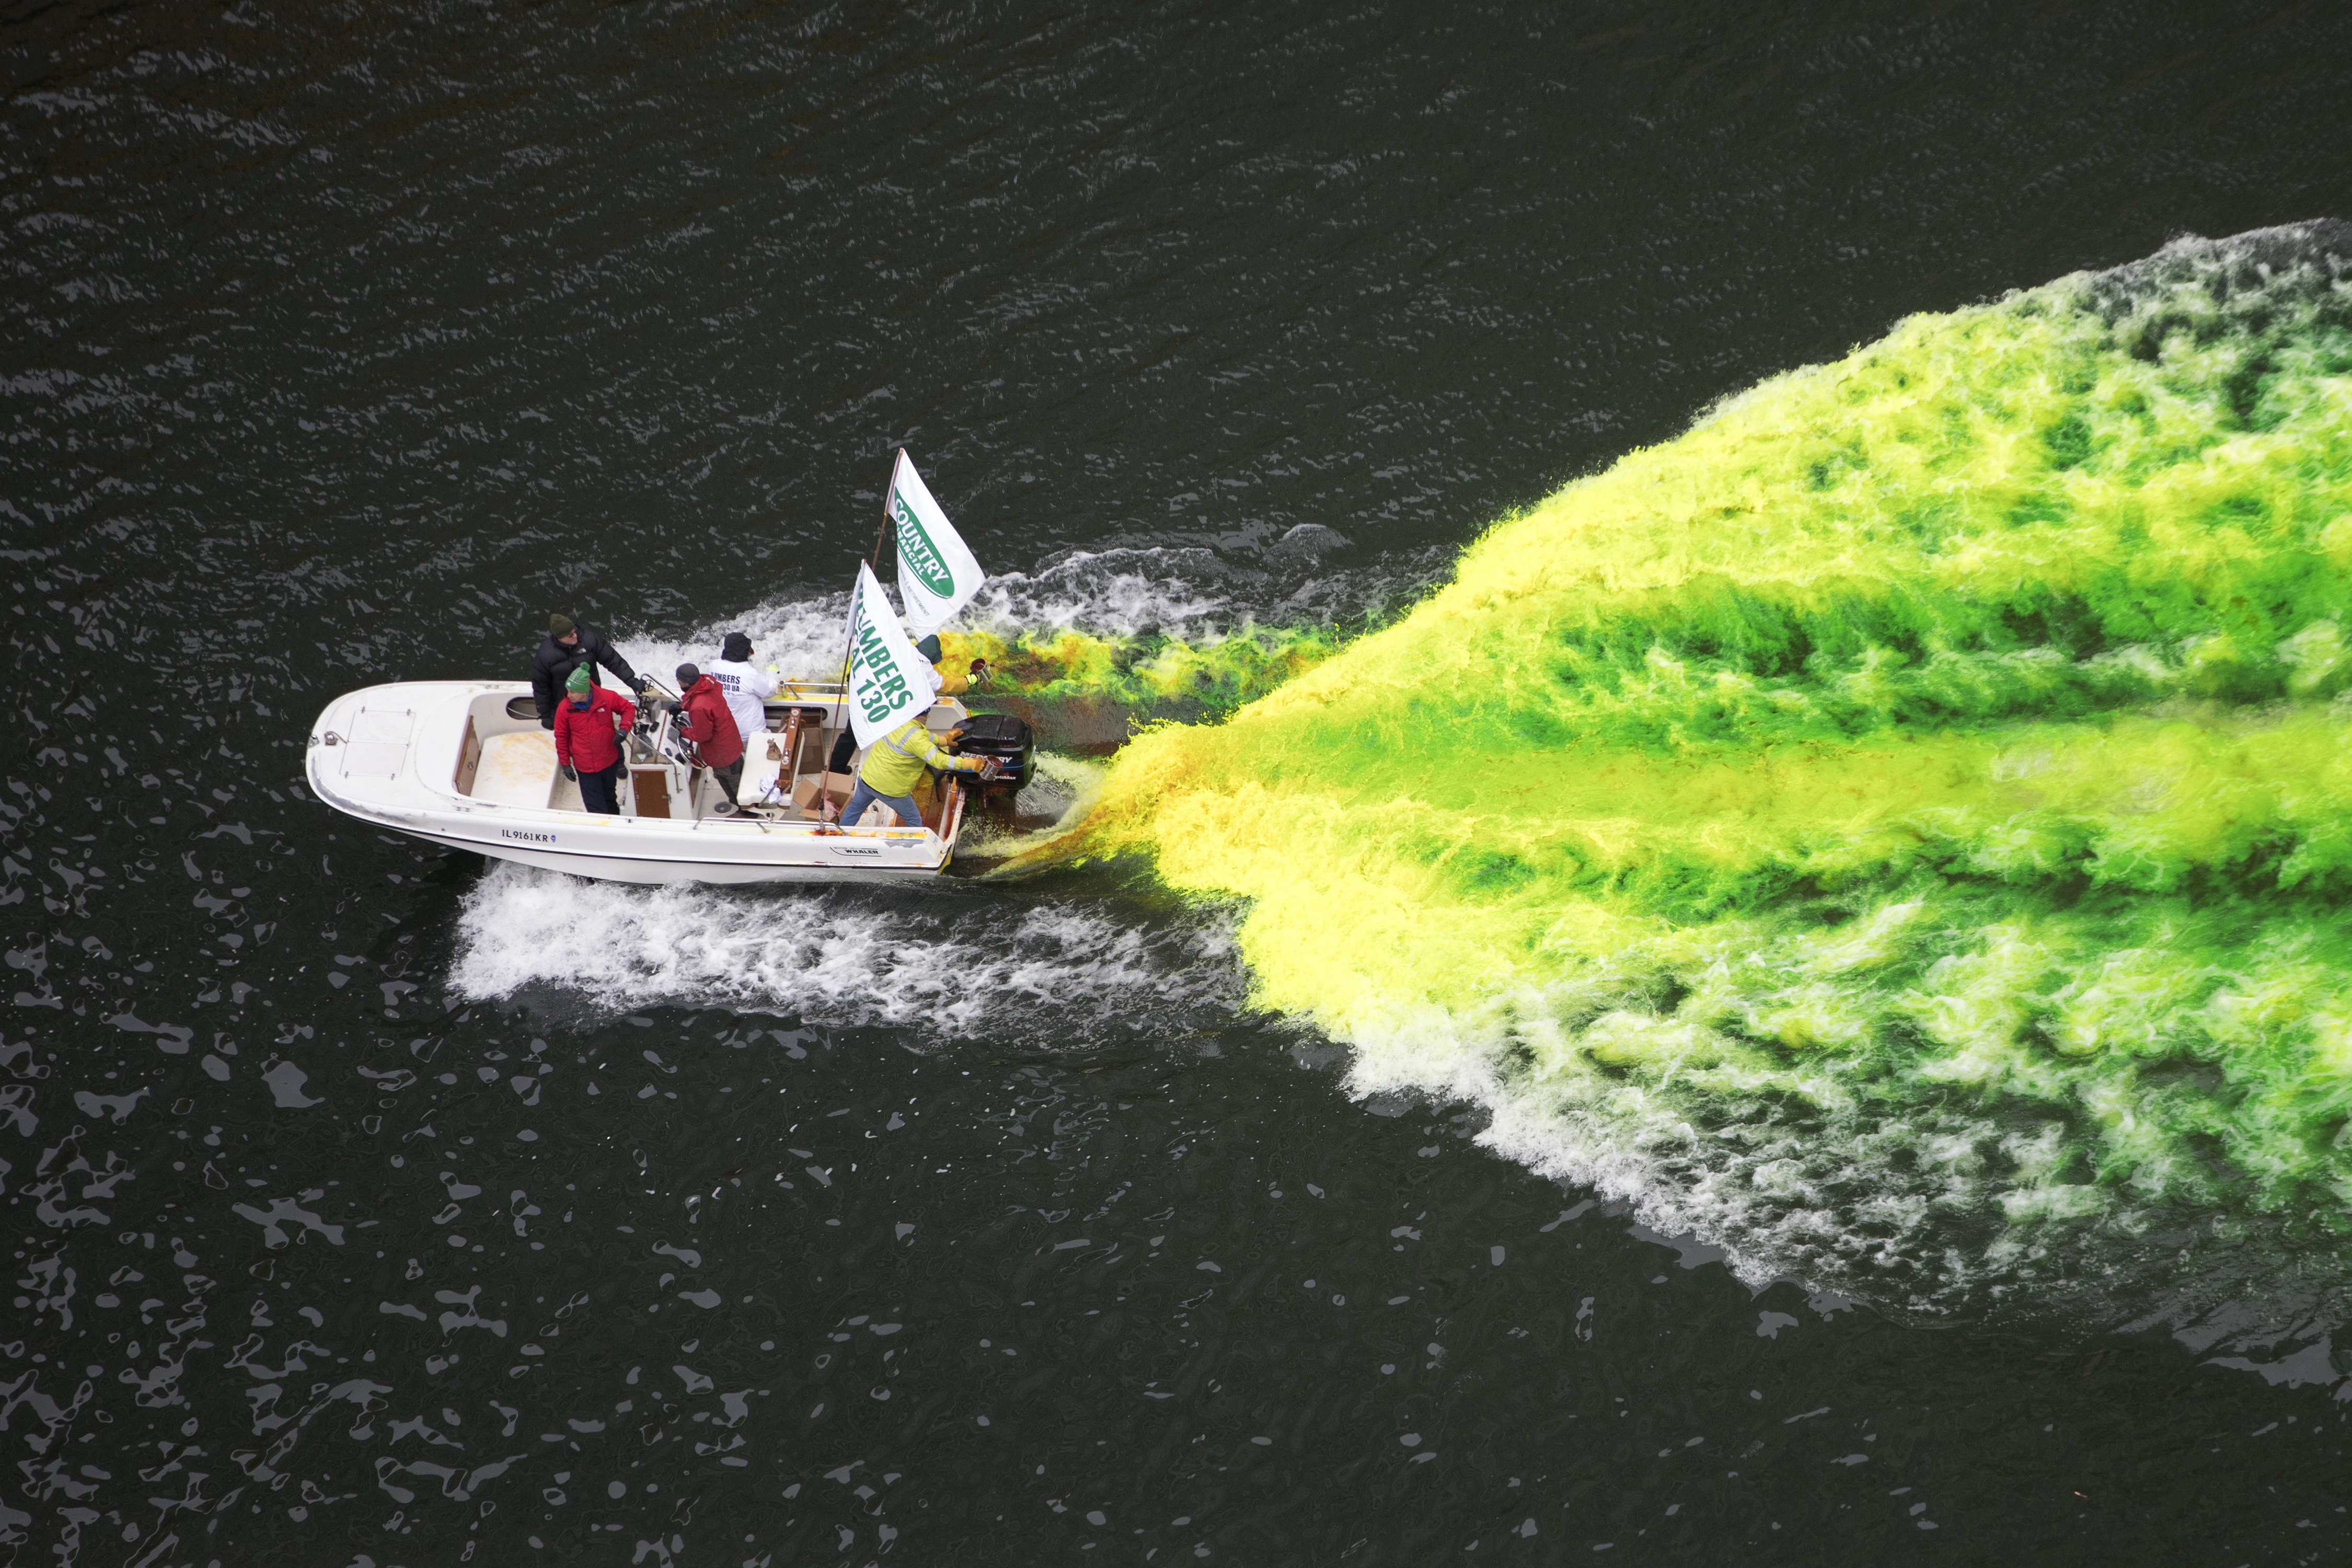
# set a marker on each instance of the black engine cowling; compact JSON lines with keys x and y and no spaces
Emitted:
{"x":1008,"y":740}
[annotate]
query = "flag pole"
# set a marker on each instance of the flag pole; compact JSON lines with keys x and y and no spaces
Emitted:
{"x":849,"y":648}
{"x":883,"y":529}
{"x":849,"y":652}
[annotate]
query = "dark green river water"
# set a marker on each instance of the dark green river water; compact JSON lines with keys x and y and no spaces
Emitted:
{"x":369,"y":1205}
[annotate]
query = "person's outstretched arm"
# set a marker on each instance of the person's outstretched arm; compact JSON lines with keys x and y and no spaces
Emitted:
{"x":610,"y":657}
{"x":945,"y":762}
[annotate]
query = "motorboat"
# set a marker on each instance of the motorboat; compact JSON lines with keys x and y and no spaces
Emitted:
{"x":466,"y":764}
{"x":469,"y":765}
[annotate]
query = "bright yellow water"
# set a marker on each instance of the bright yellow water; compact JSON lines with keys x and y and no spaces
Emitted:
{"x":1909,"y":809}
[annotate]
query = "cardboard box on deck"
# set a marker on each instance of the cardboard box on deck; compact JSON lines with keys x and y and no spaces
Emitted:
{"x":836,"y":789}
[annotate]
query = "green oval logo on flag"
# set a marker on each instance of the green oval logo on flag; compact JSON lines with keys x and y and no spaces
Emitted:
{"x":916,"y":552}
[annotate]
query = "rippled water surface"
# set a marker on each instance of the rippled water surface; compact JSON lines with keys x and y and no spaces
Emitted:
{"x":369,"y":1205}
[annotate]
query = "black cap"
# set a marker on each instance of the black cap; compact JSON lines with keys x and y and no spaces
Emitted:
{"x":737,"y":647}
{"x":687,"y":676}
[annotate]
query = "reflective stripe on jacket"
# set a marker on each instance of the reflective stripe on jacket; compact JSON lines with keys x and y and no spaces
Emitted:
{"x":896,"y":765}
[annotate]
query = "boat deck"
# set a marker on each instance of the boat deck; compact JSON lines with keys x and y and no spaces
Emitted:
{"x":465,"y":764}
{"x":517,"y":769}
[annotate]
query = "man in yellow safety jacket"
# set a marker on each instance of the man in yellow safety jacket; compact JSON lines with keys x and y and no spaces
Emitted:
{"x":895,"y":767}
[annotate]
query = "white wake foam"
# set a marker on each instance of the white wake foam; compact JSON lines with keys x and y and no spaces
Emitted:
{"x":1184,"y":593}
{"x":1109,"y":592}
{"x":937,"y":966}
{"x":1927,"y":1214}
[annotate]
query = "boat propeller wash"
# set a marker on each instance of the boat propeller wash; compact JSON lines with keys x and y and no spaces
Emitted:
{"x":1899,"y":830}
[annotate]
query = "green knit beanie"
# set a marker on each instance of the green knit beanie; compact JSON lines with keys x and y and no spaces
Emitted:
{"x":581,"y":681}
{"x":559,"y":626}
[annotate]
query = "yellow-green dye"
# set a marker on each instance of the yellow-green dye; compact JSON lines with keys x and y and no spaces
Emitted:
{"x":1909,"y":809}
{"x":1143,"y":674}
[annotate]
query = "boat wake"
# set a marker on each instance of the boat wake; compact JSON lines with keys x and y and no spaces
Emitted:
{"x":936,"y":965}
{"x":1140,"y":627}
{"x":1897,"y":831}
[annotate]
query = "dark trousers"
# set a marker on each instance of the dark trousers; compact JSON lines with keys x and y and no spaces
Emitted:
{"x":598,"y":792}
{"x":729,"y":779}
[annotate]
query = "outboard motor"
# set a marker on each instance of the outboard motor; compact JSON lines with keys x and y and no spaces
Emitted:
{"x":1008,"y":740}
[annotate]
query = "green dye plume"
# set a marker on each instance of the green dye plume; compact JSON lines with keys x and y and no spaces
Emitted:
{"x":1149,"y":674}
{"x":1899,"y":830}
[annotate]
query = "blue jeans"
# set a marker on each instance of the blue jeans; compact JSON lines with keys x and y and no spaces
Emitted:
{"x":909,"y":813}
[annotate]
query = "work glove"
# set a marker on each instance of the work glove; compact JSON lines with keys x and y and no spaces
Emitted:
{"x":570,"y":774}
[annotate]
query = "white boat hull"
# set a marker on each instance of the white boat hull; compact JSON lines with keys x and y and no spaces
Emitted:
{"x":397,"y":757}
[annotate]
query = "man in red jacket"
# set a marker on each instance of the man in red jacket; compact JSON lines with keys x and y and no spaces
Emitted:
{"x":588,"y":725}
{"x":711,"y":725}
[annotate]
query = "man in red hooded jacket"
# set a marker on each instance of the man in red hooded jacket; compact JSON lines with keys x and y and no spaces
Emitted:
{"x":588,"y":725}
{"x":711,"y":725}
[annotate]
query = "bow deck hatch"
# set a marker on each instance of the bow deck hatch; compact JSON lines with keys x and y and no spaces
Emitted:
{"x":379,"y":742}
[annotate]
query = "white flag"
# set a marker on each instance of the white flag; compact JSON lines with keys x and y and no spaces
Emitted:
{"x":937,"y":574}
{"x":888,"y":681}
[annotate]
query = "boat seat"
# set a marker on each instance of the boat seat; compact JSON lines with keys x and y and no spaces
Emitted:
{"x":760,"y":771}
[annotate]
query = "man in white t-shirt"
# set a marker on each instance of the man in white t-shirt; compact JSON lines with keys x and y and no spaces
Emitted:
{"x":745,"y":686}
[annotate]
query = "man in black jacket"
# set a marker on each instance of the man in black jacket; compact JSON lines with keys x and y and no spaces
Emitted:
{"x":568,"y":646}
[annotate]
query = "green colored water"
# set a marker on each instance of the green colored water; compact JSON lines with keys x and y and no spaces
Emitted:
{"x":1898,"y":829}
{"x":1145,"y":674}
